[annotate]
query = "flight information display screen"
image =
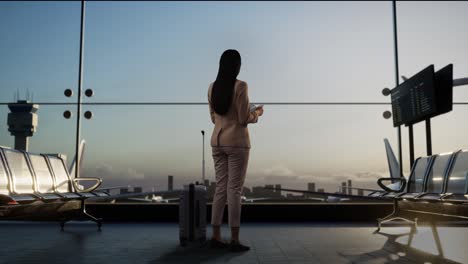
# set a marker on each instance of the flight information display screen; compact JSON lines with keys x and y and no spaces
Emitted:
{"x":414,"y":100}
{"x":444,"y":89}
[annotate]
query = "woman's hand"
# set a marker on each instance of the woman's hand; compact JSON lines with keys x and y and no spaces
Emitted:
{"x":259,"y":110}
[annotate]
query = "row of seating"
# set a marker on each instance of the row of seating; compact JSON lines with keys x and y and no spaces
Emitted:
{"x":442,"y":177}
{"x":437,"y":185}
{"x":27,"y":177}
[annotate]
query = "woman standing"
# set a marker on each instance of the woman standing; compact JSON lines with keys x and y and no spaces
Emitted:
{"x":230,"y":113}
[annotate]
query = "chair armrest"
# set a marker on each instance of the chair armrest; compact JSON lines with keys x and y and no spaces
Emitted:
{"x":90,"y":189}
{"x":446,"y":195}
{"x":402,"y":187}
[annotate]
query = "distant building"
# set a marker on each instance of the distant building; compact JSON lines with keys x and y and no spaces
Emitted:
{"x":343,"y":187}
{"x":206,"y":183}
{"x":246,"y":192}
{"x":320,"y":190}
{"x":170,"y":182}
{"x":124,"y":190}
{"x":360,"y":192}
{"x":259,"y":191}
{"x":22,"y":122}
{"x":137,"y":189}
{"x":311,"y":186}
{"x":278,"y":190}
{"x":350,"y":190}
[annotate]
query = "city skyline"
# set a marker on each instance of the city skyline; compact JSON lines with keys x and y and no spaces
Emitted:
{"x":272,"y":191}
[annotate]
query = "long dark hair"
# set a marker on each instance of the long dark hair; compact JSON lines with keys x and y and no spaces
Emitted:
{"x":223,"y":87}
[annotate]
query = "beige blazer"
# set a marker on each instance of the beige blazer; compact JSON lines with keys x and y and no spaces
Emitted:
{"x":231,"y":129}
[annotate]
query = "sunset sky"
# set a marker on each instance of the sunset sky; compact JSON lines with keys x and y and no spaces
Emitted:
{"x":169,"y":52}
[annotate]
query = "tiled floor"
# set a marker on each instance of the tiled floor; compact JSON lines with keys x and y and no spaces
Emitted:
{"x":24,"y":242}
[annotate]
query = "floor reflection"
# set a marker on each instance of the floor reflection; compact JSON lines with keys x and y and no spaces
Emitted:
{"x":153,"y":243}
{"x":196,"y":253}
{"x":422,"y":245}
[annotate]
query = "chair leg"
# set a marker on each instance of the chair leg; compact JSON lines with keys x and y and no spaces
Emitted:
{"x":393,"y":216}
{"x":390,"y":216}
{"x":98,"y":221}
{"x":389,"y":219}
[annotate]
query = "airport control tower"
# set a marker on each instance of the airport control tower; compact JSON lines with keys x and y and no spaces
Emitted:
{"x":22,"y":122}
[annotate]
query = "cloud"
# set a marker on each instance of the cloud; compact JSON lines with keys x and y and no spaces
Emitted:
{"x":278,"y":170}
{"x":110,"y":172}
{"x":368,"y":175}
{"x":277,"y":174}
{"x":273,"y":178}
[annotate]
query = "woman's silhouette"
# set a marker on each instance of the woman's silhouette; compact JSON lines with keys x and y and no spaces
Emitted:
{"x":230,"y":113}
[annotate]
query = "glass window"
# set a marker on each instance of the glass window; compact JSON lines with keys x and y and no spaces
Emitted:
{"x":3,"y":180}
{"x":39,"y":50}
{"x":292,"y":145}
{"x":169,"y":52}
{"x":458,"y":179}
{"x":433,"y":32}
{"x":45,"y":183}
{"x":416,"y":180}
{"x":61,"y":176}
{"x":435,"y":180}
{"x":21,"y":174}
{"x":291,"y":51}
{"x":54,"y":133}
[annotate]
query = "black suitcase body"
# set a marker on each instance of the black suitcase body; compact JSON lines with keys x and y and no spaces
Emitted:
{"x":192,"y":214}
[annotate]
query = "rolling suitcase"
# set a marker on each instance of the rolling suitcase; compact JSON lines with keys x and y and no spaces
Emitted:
{"x":192,"y":214}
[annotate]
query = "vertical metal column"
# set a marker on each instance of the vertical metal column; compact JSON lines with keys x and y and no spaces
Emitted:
{"x":411,"y":145}
{"x":397,"y":74}
{"x":428,"y":137}
{"x":203,"y":156}
{"x":80,"y":84}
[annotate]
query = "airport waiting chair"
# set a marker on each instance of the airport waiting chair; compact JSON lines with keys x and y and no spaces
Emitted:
{"x":457,"y":184}
{"x":437,"y":185}
{"x":31,"y":184}
{"x":413,"y":188}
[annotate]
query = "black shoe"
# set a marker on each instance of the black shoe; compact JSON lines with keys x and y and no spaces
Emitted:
{"x":214,"y":243}
{"x":235,"y":246}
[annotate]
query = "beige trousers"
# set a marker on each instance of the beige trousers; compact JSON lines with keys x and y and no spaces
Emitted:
{"x":230,"y":167}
